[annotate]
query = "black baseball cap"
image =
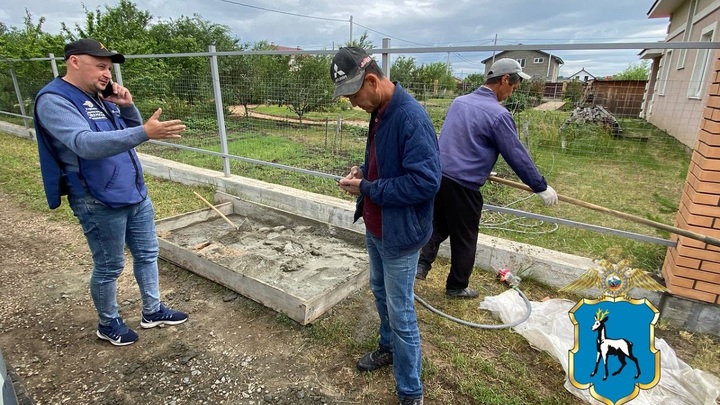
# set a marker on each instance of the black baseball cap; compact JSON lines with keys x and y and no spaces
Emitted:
{"x":87,"y":46}
{"x":347,"y":70}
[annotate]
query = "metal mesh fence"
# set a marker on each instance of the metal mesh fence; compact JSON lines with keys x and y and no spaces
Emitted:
{"x":592,"y":141}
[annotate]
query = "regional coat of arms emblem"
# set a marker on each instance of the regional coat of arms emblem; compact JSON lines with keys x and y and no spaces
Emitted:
{"x":614,"y":332}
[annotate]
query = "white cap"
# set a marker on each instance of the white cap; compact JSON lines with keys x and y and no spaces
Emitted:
{"x":506,"y":66}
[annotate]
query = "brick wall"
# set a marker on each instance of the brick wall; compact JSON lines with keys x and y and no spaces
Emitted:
{"x":692,"y":269}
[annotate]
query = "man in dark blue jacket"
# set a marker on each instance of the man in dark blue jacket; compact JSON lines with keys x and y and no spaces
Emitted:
{"x":86,"y":143}
{"x":395,"y":188}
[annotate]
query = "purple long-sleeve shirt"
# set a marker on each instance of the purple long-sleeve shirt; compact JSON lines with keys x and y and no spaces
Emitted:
{"x":476,"y":130}
{"x":73,"y":137}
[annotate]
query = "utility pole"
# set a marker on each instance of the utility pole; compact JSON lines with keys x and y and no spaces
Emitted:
{"x":351,"y":23}
{"x":494,"y":43}
{"x":549,"y":66}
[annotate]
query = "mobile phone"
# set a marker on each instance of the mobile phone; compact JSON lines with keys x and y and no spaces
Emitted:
{"x":108,"y":91}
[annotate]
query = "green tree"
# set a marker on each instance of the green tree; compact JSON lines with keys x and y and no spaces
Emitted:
{"x":124,"y":28}
{"x":402,"y":70}
{"x":635,"y":71}
{"x":472,"y":82}
{"x":574,"y":91}
{"x":433,"y":78}
{"x":29,"y":41}
{"x":184,"y":81}
{"x":306,"y":85}
{"x":191,"y":77}
{"x":256,"y":78}
{"x":364,"y":42}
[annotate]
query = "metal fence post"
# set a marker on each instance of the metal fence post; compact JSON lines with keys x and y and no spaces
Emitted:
{"x":219,"y":109}
{"x":118,"y":73}
{"x":53,"y":65}
{"x":386,"y":58}
{"x":21,"y":104}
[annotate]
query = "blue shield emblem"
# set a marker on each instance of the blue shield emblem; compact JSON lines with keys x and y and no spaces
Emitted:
{"x":614,"y":353}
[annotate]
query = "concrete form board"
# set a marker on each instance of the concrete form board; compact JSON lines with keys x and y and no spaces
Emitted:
{"x":302,"y":295}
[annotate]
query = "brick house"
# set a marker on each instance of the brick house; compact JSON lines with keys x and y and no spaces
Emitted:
{"x":677,"y":91}
{"x":538,"y":64}
{"x":683,"y":98}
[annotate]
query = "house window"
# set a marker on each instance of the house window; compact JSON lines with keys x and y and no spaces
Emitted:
{"x":702,"y":62}
{"x":521,"y":62}
{"x":664,"y":72}
{"x":687,"y":34}
{"x":538,"y":60}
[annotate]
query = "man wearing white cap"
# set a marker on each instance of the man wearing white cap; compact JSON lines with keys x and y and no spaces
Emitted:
{"x":477,"y":129}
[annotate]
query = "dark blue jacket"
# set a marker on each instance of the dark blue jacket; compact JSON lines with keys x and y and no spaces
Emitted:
{"x":408,"y":163}
{"x":116,"y":181}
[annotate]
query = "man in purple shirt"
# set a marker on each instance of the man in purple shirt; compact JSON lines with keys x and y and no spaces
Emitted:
{"x":477,"y":129}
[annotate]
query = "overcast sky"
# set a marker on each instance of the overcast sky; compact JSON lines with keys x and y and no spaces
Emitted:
{"x":324,"y":24}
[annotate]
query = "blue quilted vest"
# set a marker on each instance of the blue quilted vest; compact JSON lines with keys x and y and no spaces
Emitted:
{"x":116,"y":181}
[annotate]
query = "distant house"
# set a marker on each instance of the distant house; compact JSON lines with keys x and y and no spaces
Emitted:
{"x":538,"y":64}
{"x":583,"y":76}
{"x":679,"y":79}
{"x":284,"y":48}
{"x":292,"y":62}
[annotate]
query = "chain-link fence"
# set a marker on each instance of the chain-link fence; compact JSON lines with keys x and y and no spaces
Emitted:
{"x":270,"y":116}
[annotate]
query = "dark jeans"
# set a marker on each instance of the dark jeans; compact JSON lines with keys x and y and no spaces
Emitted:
{"x":457,"y":216}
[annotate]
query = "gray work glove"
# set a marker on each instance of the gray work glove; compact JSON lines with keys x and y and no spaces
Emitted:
{"x":549,"y":196}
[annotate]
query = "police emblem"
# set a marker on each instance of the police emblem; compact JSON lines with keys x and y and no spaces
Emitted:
{"x":614,"y":354}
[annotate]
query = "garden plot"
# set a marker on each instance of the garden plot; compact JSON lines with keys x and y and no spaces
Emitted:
{"x":294,"y":265}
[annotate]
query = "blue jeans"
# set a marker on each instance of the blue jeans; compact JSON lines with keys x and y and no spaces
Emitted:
{"x":107,"y":231}
{"x":392,"y":281}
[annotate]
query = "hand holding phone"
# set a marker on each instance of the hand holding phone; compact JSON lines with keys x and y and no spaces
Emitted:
{"x":108,"y":91}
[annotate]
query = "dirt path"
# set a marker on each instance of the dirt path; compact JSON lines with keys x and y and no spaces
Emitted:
{"x":231,"y":351}
{"x":240,"y":111}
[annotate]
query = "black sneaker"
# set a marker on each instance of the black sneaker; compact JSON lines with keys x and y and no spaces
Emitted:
{"x":411,"y":401}
{"x":374,"y":360}
{"x":467,"y":292}
{"x":422,"y":272}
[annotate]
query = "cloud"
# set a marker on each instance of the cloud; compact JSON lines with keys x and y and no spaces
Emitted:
{"x":408,"y":23}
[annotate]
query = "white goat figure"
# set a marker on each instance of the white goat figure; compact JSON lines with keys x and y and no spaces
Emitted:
{"x":621,"y":348}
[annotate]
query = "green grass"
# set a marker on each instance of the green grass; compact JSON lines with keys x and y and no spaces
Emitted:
{"x":643,"y":178}
{"x":641,"y":173}
{"x":20,"y":178}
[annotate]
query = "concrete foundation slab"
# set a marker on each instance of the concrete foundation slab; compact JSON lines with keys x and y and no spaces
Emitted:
{"x":294,"y":265}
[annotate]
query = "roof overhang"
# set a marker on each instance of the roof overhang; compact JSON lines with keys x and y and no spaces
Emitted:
{"x":556,"y":58}
{"x":651,"y":53}
{"x":664,"y":8}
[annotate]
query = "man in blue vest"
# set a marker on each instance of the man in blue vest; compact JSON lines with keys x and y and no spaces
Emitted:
{"x":86,"y":143}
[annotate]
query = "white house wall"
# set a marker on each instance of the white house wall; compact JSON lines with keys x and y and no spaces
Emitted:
{"x":674,"y":111}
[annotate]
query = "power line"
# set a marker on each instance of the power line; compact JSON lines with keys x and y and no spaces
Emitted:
{"x":283,"y":12}
{"x":464,"y":59}
{"x":390,"y":36}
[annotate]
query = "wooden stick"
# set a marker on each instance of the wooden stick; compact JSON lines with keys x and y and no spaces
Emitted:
{"x":237,"y":228}
{"x":658,"y":225}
